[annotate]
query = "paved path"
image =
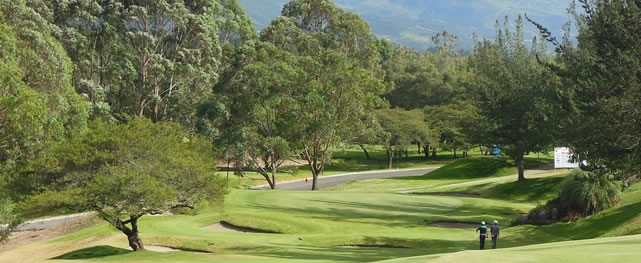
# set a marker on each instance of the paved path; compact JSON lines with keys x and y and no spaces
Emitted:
{"x":333,"y":180}
{"x":45,"y":223}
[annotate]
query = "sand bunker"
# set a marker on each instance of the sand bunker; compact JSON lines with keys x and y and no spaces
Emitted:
{"x":161,"y":249}
{"x":371,"y":246}
{"x":226,"y":227}
{"x":454,"y":224}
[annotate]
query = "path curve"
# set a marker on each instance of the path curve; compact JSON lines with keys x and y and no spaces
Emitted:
{"x":333,"y":180}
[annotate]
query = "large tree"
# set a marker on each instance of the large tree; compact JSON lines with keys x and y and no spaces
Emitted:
{"x":126,"y":171}
{"x":602,"y":78}
{"x":254,"y":121}
{"x":157,"y":59}
{"x":340,"y":57}
{"x":514,"y":93}
{"x":38,"y":104}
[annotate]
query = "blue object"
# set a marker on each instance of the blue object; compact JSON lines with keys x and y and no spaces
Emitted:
{"x":496,"y":151}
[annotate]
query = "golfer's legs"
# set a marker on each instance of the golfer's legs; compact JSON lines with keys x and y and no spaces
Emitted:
{"x":494,"y":239}
{"x":482,"y":241}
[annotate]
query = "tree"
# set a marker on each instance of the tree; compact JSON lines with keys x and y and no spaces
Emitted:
{"x":38,"y":103}
{"x":338,"y":53}
{"x":402,"y":128}
{"x":454,"y":124}
{"x":426,"y":79}
{"x":256,"y":115}
{"x":126,"y":171}
{"x":514,"y":93}
{"x":157,"y":59}
{"x":602,"y":80}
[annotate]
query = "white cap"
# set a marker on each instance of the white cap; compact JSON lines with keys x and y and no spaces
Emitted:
{"x":496,"y":222}
{"x":482,"y":222}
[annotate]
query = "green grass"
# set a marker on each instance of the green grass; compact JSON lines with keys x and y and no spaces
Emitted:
{"x":619,"y":249}
{"x":391,"y":217}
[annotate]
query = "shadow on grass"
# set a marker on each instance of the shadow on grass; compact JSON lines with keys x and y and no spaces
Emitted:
{"x":94,"y":252}
{"x":598,"y":225}
{"x":479,"y":167}
{"x":369,"y":249}
{"x":535,"y":189}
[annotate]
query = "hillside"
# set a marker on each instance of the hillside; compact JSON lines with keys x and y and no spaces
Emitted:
{"x":412,"y":22}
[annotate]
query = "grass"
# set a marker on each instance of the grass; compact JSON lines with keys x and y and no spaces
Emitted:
{"x":619,"y":249}
{"x":374,"y":220}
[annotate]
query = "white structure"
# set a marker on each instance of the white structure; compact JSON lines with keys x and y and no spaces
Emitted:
{"x":565,"y":158}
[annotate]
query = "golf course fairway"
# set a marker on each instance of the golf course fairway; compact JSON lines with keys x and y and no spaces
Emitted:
{"x":430,"y":218}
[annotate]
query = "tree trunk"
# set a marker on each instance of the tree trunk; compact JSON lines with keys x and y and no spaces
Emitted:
{"x":134,"y":242}
{"x":521,"y":167}
{"x":418,"y":144}
{"x":426,"y":151}
{"x":314,"y":180}
{"x":407,"y":153}
{"x":481,"y":149}
{"x":433,"y":152}
{"x":365,"y":151}
{"x":313,"y":162}
{"x":455,"y":157}
{"x":132,"y":234}
{"x":273,"y":173}
{"x":390,"y":158}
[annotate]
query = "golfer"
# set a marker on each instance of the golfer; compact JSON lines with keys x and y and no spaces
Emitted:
{"x":494,"y":231}
{"x":482,"y":231}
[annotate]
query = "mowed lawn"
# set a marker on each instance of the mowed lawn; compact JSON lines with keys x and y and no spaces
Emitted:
{"x":365,"y":221}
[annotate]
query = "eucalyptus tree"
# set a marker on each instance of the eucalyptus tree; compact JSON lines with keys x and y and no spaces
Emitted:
{"x":339,"y":55}
{"x":255,"y":118}
{"x":514,"y":93}
{"x":157,"y":59}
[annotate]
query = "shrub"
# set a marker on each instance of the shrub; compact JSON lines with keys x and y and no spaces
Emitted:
{"x":583,"y":193}
{"x":588,"y":192}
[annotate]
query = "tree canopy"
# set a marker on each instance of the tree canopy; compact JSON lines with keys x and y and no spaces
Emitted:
{"x":514,"y":93}
{"x":126,"y":171}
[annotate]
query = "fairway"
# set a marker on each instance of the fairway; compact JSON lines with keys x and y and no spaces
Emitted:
{"x":617,"y":249}
{"x":396,"y":219}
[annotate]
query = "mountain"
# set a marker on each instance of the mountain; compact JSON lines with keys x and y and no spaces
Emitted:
{"x":413,"y":22}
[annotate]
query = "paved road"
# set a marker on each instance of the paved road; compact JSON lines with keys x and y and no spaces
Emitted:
{"x":333,"y":180}
{"x":40,"y":224}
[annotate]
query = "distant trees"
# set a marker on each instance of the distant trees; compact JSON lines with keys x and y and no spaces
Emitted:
{"x":400,"y":129}
{"x":456,"y":126}
{"x":515,"y":95}
{"x":126,"y":171}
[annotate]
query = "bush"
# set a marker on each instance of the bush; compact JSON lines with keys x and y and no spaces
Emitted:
{"x":588,"y":192}
{"x":583,"y":193}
